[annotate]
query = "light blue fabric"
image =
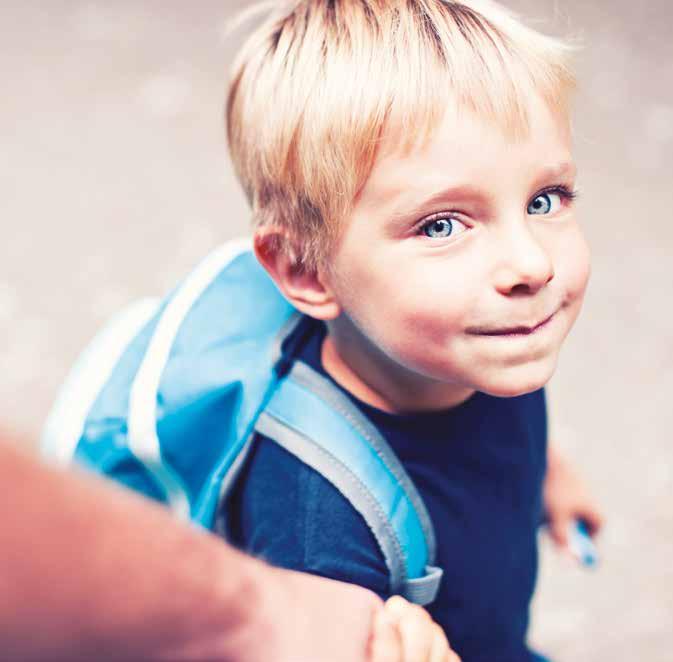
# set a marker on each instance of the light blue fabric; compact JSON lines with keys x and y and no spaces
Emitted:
{"x":212,"y":387}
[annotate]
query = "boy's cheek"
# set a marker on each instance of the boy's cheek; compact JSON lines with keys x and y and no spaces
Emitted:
{"x":574,"y":266}
{"x":426,"y":337}
{"x":424,"y":300}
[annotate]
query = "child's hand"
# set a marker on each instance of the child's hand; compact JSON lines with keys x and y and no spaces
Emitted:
{"x":404,"y":632}
{"x":566,"y":499}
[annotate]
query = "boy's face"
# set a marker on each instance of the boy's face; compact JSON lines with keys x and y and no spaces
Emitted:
{"x":477,"y":287}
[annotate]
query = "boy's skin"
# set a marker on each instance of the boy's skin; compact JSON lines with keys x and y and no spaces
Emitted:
{"x":418,"y":323}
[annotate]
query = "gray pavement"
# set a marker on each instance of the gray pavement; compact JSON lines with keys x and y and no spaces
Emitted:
{"x":114,"y":180}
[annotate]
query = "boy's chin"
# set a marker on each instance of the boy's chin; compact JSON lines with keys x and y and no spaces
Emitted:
{"x":519,"y":380}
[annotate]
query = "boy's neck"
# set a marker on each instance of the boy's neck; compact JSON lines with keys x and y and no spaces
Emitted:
{"x":373,"y":379}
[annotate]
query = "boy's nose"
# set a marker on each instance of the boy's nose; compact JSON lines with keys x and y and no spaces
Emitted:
{"x":524,"y":266}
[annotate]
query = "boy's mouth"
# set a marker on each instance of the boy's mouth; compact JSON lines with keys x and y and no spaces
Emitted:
{"x":511,"y":331}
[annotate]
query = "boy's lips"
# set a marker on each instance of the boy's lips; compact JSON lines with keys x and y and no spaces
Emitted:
{"x":523,"y":330}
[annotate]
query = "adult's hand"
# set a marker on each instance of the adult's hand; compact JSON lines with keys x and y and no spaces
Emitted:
{"x":311,"y":619}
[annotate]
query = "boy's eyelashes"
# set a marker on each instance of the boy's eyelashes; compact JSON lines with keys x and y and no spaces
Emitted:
{"x":444,"y":224}
{"x":568,"y":193}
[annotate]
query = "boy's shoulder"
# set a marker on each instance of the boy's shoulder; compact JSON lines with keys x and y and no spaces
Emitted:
{"x":289,"y":514}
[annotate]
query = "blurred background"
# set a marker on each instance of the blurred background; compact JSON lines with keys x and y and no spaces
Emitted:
{"x":115,"y":180}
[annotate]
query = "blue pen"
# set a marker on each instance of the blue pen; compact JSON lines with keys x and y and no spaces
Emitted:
{"x":582,"y":545}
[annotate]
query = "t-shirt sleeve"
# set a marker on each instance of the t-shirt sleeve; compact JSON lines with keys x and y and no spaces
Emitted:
{"x":283,"y":511}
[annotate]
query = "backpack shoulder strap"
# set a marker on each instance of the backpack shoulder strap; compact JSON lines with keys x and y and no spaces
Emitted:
{"x":316,"y":422}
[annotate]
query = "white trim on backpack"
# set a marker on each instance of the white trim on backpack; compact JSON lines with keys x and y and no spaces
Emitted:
{"x":142,"y":432}
{"x":65,"y":424}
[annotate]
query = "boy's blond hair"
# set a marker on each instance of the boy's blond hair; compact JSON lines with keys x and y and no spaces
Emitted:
{"x":316,"y":85}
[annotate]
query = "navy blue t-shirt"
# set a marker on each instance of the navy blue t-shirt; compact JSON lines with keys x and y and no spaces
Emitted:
{"x":478,"y":467}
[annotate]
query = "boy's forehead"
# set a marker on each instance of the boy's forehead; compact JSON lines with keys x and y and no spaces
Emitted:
{"x":462,"y":127}
{"x":465,"y":149}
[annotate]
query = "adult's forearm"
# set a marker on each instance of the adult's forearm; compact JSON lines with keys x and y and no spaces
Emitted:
{"x":86,"y":568}
{"x":91,"y":571}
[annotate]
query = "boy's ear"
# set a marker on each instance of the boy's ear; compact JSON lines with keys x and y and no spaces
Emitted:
{"x":304,"y":289}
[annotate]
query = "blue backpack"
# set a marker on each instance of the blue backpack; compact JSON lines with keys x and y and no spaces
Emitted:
{"x":168,"y":397}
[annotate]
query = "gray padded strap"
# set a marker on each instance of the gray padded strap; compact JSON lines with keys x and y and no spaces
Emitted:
{"x":423,"y":591}
{"x":220,"y":526}
{"x":305,"y":375}
{"x":284,"y":332}
{"x":348,"y":484}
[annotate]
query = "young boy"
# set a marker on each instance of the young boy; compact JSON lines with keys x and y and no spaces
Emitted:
{"x":409,"y":167}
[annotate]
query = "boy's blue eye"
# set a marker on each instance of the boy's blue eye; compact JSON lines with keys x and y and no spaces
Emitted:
{"x":543,"y":203}
{"x":438,"y":229}
{"x":441,"y":228}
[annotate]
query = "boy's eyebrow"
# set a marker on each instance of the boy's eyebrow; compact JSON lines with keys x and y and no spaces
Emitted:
{"x":458,"y":191}
{"x":560,"y":170}
{"x":465,"y":191}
